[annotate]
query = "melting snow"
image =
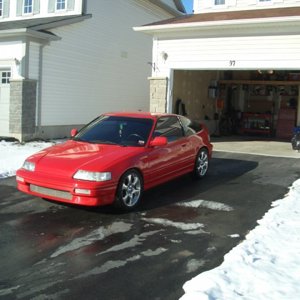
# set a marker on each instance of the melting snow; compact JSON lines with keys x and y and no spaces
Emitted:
{"x":207,"y":204}
{"x":178,"y":225}
{"x":96,"y":235}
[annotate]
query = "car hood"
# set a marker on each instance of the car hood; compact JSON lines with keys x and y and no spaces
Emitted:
{"x":68,"y":157}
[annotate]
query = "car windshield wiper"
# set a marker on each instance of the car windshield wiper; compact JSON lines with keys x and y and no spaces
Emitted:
{"x":78,"y":139}
{"x":104,"y":142}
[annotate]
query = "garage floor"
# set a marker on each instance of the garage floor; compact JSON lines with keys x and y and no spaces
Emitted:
{"x":255,"y":146}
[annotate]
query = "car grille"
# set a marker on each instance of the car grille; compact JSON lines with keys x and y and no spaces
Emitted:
{"x":50,"y":192}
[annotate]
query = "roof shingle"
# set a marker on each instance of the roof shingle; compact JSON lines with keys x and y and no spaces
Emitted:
{"x":232,"y":15}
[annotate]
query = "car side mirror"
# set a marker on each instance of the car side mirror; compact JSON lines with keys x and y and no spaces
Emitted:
{"x":159,"y":141}
{"x":74,"y":131}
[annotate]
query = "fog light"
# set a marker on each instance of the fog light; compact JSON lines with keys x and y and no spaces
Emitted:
{"x":83,"y":191}
{"x":21,"y":179}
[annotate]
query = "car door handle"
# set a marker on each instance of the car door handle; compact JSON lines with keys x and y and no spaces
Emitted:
{"x":183,"y":145}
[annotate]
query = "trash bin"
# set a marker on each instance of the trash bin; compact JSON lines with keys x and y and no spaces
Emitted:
{"x":296,"y":139}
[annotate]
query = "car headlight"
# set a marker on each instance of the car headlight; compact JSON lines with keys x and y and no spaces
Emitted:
{"x":92,"y":176}
{"x":29,"y":166}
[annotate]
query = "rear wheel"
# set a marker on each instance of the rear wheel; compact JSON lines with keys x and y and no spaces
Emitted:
{"x":201,"y":163}
{"x":129,"y":190}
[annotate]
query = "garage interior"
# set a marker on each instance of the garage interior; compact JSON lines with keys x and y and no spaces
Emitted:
{"x":256,"y":103}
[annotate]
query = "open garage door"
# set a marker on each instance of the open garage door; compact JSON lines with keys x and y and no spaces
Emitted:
{"x":256,"y":103}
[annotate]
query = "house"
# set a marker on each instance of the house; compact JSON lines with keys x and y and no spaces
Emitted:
{"x":64,"y":62}
{"x":233,"y":64}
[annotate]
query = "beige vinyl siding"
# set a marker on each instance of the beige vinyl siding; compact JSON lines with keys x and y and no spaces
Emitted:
{"x":34,"y":52}
{"x":99,"y":65}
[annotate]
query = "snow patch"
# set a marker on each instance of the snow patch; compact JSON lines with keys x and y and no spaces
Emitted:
{"x":135,"y":241}
{"x":8,"y":291}
{"x":178,"y":225}
{"x":109,"y":265}
{"x":96,"y":235}
{"x":193,"y":265}
{"x":206,"y":204}
{"x":155,"y":252}
{"x":13,"y":154}
{"x":234,"y":236}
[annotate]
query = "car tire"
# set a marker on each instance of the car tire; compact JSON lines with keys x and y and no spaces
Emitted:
{"x":129,"y":190}
{"x":201,"y":164}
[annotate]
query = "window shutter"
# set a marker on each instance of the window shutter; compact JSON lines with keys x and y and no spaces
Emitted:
{"x":36,"y":7}
{"x":70,"y":4}
{"x":5,"y":8}
{"x":19,"y":7}
{"x":51,"y":6}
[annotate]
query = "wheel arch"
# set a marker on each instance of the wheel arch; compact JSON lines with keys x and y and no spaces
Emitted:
{"x":134,"y":169}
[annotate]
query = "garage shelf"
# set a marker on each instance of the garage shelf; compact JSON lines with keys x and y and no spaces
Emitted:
{"x":261,"y":82}
{"x":257,"y":123}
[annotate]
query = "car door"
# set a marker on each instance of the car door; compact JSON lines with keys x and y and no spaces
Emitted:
{"x":168,"y":161}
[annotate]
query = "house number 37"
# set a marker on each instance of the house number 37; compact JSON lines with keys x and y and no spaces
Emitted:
{"x":232,"y":63}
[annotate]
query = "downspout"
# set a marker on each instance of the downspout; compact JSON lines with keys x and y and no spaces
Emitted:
{"x":39,"y":95}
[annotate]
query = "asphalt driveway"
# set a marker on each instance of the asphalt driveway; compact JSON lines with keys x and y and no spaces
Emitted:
{"x":54,"y":251}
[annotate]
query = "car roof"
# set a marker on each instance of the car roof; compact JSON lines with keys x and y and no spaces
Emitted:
{"x":143,"y":115}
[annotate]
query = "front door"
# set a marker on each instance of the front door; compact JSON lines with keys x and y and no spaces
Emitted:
{"x":169,"y":161}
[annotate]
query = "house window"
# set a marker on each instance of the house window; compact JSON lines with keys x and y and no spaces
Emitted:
{"x":60,"y":4}
{"x":1,"y":8}
{"x":219,"y":2}
{"x":5,"y":76}
{"x":27,"y":6}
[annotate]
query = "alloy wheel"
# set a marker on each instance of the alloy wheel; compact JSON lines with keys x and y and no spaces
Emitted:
{"x":201,"y":165}
{"x":130,"y":190}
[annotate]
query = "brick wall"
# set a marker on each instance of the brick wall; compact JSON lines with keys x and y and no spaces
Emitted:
{"x":158,"y":94}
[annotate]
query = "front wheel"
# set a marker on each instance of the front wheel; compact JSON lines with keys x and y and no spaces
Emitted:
{"x":129,"y":190}
{"x":201,"y":163}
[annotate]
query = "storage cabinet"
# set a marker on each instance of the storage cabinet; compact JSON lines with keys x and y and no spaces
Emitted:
{"x":257,"y":123}
{"x":286,"y":123}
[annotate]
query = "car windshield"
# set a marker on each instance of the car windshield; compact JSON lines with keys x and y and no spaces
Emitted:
{"x":116,"y":130}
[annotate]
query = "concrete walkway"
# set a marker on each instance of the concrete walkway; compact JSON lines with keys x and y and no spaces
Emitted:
{"x":266,"y":147}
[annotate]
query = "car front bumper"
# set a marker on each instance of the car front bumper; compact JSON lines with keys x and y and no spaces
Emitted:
{"x":66,"y":190}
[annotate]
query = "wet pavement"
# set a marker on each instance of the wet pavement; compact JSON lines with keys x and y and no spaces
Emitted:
{"x":54,"y":251}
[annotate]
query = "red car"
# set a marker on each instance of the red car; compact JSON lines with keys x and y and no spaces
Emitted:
{"x":117,"y":156}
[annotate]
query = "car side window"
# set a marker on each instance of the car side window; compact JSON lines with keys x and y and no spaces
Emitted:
{"x":187,"y":126}
{"x":169,"y":127}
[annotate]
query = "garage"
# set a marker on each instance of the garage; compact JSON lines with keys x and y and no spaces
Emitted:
{"x":257,"y":103}
{"x":239,"y":72}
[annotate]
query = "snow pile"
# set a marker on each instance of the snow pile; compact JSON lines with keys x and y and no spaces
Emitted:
{"x":13,"y":154}
{"x":265,"y":266}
